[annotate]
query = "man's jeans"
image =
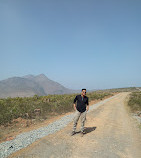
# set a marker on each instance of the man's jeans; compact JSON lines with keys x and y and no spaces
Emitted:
{"x":76,"y":118}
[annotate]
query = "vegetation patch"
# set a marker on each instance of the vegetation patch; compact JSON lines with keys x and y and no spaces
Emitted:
{"x":40,"y":107}
{"x":135,"y":102}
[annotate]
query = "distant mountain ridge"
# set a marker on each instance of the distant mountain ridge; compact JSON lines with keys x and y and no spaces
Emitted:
{"x":30,"y":85}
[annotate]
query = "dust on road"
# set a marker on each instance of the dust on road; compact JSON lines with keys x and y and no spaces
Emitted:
{"x":110,"y":133}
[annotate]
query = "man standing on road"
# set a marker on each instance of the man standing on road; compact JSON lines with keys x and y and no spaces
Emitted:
{"x":81,"y":108}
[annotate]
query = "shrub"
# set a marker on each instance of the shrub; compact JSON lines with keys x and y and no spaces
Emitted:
{"x":12,"y":108}
{"x":135,"y":101}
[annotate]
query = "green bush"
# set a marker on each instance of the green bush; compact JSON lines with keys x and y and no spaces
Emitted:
{"x":12,"y":108}
{"x":135,"y":101}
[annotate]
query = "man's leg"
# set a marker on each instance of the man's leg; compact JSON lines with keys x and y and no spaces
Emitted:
{"x":83,"y":119}
{"x":76,"y":118}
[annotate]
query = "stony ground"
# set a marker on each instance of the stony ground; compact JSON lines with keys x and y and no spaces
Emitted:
{"x":110,"y":133}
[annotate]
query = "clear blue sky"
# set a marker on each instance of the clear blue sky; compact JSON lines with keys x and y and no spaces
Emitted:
{"x":79,"y":43}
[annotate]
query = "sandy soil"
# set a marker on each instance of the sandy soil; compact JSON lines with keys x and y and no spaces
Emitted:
{"x":110,"y":133}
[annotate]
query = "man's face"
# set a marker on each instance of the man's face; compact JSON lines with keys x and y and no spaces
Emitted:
{"x":84,"y":92}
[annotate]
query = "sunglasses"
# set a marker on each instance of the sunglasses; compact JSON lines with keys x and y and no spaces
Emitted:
{"x":84,"y":92}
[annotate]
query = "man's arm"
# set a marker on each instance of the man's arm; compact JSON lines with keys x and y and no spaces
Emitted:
{"x":87,"y":108}
{"x":74,"y":103}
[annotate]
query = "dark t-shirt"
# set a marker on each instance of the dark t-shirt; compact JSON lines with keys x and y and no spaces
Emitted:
{"x":81,"y":103}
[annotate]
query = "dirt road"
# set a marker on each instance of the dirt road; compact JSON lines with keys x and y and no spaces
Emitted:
{"x":110,"y":133}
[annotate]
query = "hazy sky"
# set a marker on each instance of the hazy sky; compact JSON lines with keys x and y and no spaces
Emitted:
{"x":78,"y":43}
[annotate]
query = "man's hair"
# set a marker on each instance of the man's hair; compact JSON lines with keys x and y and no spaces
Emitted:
{"x":83,"y":89}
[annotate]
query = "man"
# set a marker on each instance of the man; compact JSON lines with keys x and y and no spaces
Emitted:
{"x":81,"y":108}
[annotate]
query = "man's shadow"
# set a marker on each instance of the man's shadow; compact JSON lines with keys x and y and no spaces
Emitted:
{"x":88,"y":130}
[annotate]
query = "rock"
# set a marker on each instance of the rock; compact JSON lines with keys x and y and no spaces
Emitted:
{"x":10,"y":138}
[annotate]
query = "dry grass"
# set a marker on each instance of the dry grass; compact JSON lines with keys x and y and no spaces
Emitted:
{"x":135,"y":101}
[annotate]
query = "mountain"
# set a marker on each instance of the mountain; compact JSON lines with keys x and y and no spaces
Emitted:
{"x":49,"y":86}
{"x":30,"y":85}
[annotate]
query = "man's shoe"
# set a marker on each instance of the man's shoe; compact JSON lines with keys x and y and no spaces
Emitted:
{"x":82,"y":133}
{"x":73,"y":133}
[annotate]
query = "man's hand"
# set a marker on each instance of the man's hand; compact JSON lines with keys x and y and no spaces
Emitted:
{"x":87,"y":108}
{"x":74,"y":107}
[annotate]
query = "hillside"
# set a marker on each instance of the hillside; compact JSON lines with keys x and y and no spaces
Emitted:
{"x":31,"y":85}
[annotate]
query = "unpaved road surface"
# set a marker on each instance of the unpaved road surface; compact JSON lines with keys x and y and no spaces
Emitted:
{"x":110,"y":133}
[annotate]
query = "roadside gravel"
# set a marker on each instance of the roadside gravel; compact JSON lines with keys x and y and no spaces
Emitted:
{"x":27,"y":138}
